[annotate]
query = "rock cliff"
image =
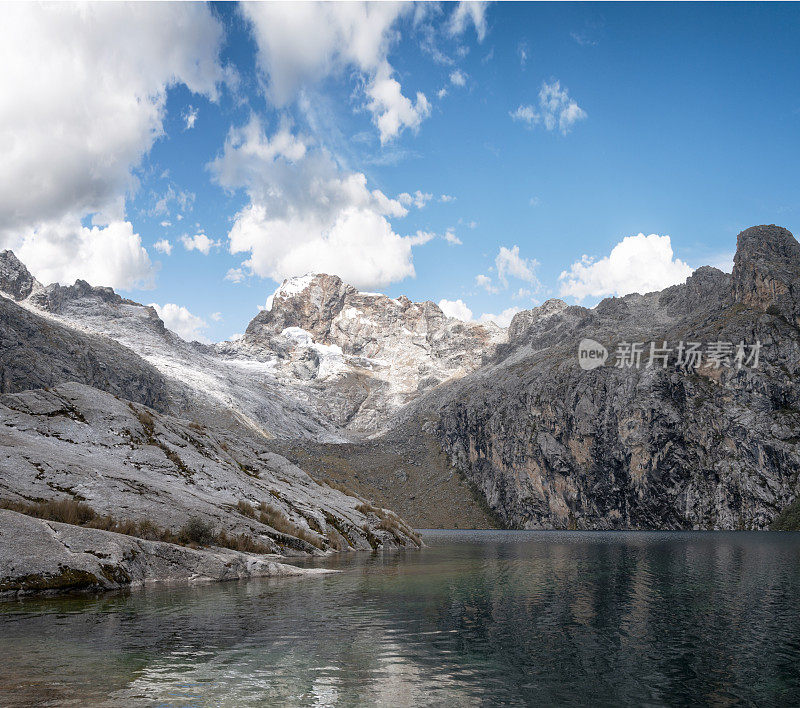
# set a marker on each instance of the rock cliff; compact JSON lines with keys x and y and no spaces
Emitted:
{"x":362,"y":355}
{"x":678,"y":447}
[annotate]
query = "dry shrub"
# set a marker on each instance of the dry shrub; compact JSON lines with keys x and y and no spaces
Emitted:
{"x":243,"y":543}
{"x":67,"y":511}
{"x":197,"y":530}
{"x":145,"y":419}
{"x":367,"y":508}
{"x":277,"y":519}
{"x":246,"y":509}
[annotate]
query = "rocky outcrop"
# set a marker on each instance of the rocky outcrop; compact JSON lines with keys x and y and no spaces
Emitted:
{"x":553,"y":446}
{"x":137,"y":465}
{"x":47,"y":557}
{"x":15,"y":280}
{"x":766,"y":274}
{"x":37,"y":352}
{"x":310,"y":302}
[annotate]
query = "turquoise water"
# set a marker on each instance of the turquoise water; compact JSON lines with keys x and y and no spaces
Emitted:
{"x":477,"y":618}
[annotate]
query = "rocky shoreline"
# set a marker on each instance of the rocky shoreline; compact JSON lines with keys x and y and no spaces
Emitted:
{"x":39,"y":557}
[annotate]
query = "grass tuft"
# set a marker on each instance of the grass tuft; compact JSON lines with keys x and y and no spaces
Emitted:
{"x":195,"y":532}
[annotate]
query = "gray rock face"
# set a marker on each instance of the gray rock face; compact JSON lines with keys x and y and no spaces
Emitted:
{"x":766,"y":275}
{"x":36,"y":352}
{"x":309,"y":302}
{"x":135,"y":464}
{"x":553,"y":446}
{"x":47,"y":557}
{"x":15,"y":280}
{"x":191,"y":379}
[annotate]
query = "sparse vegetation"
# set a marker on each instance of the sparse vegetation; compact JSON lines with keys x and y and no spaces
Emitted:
{"x":145,"y":419}
{"x":196,"y":531}
{"x":242,"y":542}
{"x":66,"y":511}
{"x":280,"y":522}
{"x":343,"y":488}
{"x":176,"y":460}
{"x":390,"y":522}
{"x":148,"y":423}
{"x":246,"y":509}
{"x":367,"y":508}
{"x":788,"y":519}
{"x":336,"y":542}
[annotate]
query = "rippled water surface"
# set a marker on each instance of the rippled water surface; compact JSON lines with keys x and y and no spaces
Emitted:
{"x":477,"y":618}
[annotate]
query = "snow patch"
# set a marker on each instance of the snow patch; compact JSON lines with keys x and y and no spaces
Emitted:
{"x":331,"y":356}
{"x":290,"y":287}
{"x":296,"y":285}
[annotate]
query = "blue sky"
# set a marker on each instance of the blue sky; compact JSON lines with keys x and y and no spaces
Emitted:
{"x":535,"y":134}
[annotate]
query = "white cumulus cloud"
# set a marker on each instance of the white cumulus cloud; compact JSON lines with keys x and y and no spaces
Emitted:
{"x":300,"y":44}
{"x":199,"y":242}
{"x":186,"y":325}
{"x":63,"y":251}
{"x":392,"y":111}
{"x":421,"y":238}
{"x":469,"y":12}
{"x":163,"y":246}
{"x":485,"y":282}
{"x":637,"y":264}
{"x":555,"y":110}
{"x":189,"y":117}
{"x":451,"y":238}
{"x":456,"y":308}
{"x":83,"y":100}
{"x":419,"y":199}
{"x":458,"y":78}
{"x":308,"y":215}
{"x":502,"y":319}
{"x":510,"y":264}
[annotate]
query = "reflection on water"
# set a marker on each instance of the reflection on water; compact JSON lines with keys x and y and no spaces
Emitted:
{"x":545,"y":618}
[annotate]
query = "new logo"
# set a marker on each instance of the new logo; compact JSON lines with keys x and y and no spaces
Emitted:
{"x":591,"y":354}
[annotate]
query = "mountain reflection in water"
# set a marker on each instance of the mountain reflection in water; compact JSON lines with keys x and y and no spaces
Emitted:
{"x":546,"y":618}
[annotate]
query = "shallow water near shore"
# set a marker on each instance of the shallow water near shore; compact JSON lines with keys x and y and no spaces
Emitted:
{"x":476,"y":618}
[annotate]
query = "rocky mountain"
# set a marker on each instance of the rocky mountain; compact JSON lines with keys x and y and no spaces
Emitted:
{"x":551,"y":445}
{"x":362,"y":356}
{"x":322,"y":362}
{"x":461,"y":424}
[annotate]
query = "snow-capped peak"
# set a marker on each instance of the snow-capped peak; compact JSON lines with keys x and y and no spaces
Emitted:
{"x":291,"y":286}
